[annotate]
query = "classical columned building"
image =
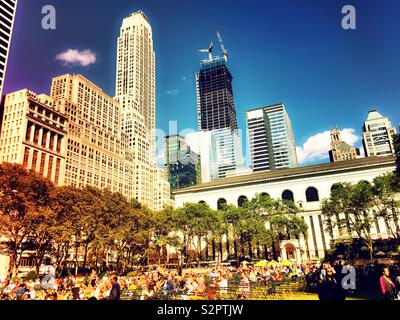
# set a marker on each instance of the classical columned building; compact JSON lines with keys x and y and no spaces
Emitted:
{"x":33,"y":134}
{"x":306,"y":186}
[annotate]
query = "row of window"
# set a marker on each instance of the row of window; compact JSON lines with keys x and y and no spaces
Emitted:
{"x":311,"y":196}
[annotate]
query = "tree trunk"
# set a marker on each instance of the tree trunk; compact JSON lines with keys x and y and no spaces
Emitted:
{"x":199,"y":252}
{"x":85,"y":255}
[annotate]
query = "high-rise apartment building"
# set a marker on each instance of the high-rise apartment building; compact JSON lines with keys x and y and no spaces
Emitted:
{"x":341,"y":151}
{"x":34,"y":134}
{"x":378,"y":135}
{"x":181,"y":163}
{"x":98,"y":152}
{"x":135,"y":91}
{"x":8,"y":10}
{"x":271,"y":140}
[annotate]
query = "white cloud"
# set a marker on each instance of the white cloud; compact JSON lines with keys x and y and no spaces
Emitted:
{"x":172,"y":92}
{"x":82,"y":58}
{"x":317,"y":147}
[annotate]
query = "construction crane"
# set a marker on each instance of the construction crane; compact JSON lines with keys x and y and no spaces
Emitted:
{"x":224,"y":51}
{"x":209,"y":51}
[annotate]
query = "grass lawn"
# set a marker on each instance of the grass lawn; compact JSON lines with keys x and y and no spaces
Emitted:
{"x":300,"y":296}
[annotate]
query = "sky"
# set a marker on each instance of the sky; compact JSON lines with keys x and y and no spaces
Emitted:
{"x":290,"y":51}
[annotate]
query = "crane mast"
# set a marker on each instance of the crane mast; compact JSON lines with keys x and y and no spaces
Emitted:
{"x":224,"y":51}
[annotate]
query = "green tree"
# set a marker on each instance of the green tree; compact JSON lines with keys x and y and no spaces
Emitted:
{"x":396,"y":141}
{"x":195,"y":221}
{"x":386,"y":202}
{"x":281,"y":216}
{"x":163,"y":235}
{"x":66,"y":206}
{"x":349,"y":208}
{"x":23,"y":198}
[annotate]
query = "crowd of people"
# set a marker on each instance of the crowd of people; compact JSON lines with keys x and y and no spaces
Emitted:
{"x":219,"y":282}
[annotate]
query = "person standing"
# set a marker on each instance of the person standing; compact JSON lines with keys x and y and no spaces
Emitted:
{"x":388,"y":288}
{"x":328,"y":288}
{"x":115,"y":293}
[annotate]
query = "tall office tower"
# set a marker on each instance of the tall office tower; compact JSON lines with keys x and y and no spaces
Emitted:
{"x":8,"y":9}
{"x":217,"y":114}
{"x":181,"y":163}
{"x":34,"y":134}
{"x":135,"y":90}
{"x":203,"y":144}
{"x":341,"y":151}
{"x":270,"y":139}
{"x":378,"y":135}
{"x":98,"y":151}
{"x":219,"y":150}
{"x":215,"y":102}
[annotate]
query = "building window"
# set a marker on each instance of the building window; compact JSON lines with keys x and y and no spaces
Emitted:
{"x":42,"y":163}
{"x":336,"y":186}
{"x":34,"y":159}
{"x":58,"y":164}
{"x":241,"y":201}
{"x":312,"y":195}
{"x":287,"y":195}
{"x":26,"y":158}
{"x":221,"y":203}
{"x":50,"y":167}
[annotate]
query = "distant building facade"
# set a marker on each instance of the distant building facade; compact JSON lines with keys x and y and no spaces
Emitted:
{"x":97,"y":151}
{"x":181,"y":163}
{"x":162,"y":190}
{"x":34,"y":134}
{"x":270,"y":137}
{"x":341,"y":151}
{"x":219,"y":150}
{"x":378,"y":135}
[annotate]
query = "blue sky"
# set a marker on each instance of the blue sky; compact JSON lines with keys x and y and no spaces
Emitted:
{"x":293,"y":51}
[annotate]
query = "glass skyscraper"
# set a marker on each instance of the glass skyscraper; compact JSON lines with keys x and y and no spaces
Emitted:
{"x":181,"y":163}
{"x":271,"y":140}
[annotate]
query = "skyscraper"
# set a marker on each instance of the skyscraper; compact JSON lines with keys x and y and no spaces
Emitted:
{"x":217,"y":115}
{"x":203,"y":143}
{"x":271,"y":140}
{"x":378,"y":135}
{"x":341,"y":151}
{"x":8,"y":10}
{"x":135,"y":90}
{"x":181,"y":163}
{"x":215,"y":102}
